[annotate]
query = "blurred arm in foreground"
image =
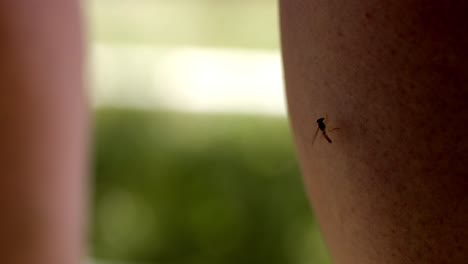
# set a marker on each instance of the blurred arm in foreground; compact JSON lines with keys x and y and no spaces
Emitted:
{"x":43,"y":132}
{"x":393,"y":76}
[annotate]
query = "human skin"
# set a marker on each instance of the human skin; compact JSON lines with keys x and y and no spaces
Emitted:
{"x":393,"y":76}
{"x":43,"y":132}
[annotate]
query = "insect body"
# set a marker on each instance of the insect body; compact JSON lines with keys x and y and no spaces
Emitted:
{"x":322,"y":127}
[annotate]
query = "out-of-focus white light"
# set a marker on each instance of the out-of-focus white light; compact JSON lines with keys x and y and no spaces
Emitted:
{"x":190,"y":79}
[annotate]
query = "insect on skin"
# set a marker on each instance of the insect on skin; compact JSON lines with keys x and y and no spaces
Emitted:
{"x":322,"y":127}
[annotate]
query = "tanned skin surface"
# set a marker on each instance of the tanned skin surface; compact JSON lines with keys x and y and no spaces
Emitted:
{"x":43,"y":135}
{"x":393,"y":75}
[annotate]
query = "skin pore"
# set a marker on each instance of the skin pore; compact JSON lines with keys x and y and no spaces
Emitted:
{"x":393,"y":76}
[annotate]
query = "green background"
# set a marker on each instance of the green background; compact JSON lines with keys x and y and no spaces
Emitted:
{"x":187,"y":188}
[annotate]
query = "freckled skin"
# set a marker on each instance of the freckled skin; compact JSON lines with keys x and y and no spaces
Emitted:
{"x":393,"y":186}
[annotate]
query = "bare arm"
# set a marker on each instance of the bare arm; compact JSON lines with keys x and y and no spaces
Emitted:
{"x":393,"y":75}
{"x":42,"y":135}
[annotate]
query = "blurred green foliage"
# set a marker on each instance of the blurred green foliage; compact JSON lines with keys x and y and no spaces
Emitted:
{"x":173,"y":188}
